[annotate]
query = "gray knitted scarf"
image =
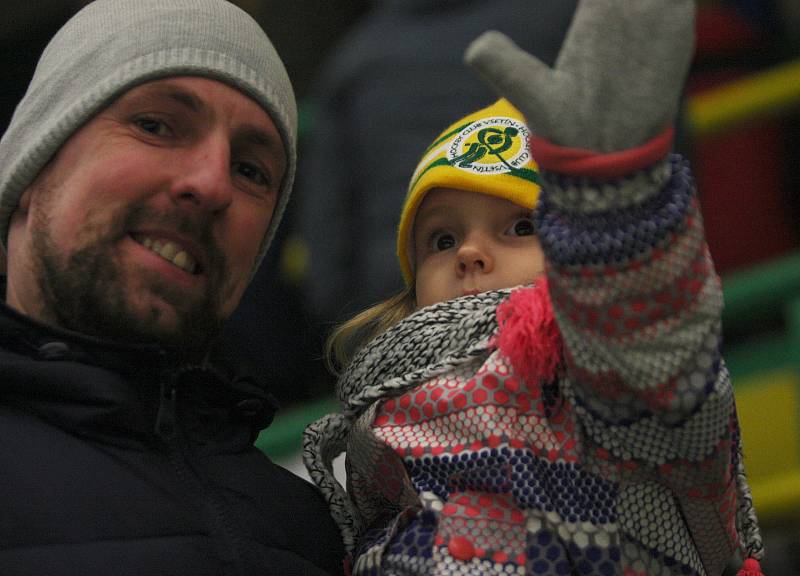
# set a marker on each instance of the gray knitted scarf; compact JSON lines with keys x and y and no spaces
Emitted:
{"x":429,"y":342}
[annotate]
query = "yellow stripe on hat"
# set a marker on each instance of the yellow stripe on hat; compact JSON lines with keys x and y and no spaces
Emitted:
{"x":487,"y":152}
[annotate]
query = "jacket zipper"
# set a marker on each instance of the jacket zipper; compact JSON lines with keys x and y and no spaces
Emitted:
{"x":226,"y":543}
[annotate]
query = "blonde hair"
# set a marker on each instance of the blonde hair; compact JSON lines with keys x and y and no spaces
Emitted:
{"x":350,"y":336}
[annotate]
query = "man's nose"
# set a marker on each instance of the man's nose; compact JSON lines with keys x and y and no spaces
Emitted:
{"x":203,"y":177}
{"x":474,"y":255}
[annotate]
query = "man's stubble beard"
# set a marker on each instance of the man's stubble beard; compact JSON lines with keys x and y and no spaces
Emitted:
{"x":85,"y":292}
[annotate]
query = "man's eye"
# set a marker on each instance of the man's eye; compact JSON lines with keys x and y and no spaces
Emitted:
{"x":252,"y":173}
{"x":522,"y":227}
{"x":152,"y":126}
{"x":443,"y":241}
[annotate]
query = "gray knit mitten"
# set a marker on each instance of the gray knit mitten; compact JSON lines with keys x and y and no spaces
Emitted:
{"x":616,"y":83}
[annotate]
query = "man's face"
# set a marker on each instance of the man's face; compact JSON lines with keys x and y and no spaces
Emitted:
{"x":147,"y":223}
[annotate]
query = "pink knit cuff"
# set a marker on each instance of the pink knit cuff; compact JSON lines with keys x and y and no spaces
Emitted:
{"x":583,"y":162}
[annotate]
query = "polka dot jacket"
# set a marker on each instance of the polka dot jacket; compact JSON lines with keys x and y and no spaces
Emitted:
{"x":623,"y":458}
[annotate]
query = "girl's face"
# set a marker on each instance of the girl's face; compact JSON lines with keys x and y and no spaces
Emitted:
{"x":466,"y":243}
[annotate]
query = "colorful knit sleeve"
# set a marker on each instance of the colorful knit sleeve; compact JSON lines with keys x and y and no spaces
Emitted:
{"x":638,"y":304}
{"x":636,"y":297}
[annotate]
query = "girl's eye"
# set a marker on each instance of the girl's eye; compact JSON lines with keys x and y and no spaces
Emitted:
{"x":152,"y":126}
{"x":443,"y":241}
{"x":522,"y":227}
{"x":252,"y":173}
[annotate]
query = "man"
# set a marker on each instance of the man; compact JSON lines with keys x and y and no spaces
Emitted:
{"x":141,"y":179}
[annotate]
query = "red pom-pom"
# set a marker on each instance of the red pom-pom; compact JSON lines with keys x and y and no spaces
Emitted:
{"x":528,"y":334}
{"x":750,"y":567}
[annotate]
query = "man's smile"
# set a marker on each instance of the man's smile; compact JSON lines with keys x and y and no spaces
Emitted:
{"x":170,"y":251}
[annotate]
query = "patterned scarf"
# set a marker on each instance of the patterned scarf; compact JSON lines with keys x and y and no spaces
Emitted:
{"x":429,"y":342}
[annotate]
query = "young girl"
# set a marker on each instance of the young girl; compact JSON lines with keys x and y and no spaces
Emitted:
{"x":490,"y":431}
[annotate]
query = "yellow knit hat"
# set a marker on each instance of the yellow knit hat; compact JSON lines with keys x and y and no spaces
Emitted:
{"x":487,"y":152}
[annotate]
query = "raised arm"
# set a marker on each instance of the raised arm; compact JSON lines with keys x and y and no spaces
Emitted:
{"x":631,"y":280}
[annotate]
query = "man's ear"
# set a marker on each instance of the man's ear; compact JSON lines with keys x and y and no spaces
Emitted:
{"x":20,"y":214}
{"x":25,"y":200}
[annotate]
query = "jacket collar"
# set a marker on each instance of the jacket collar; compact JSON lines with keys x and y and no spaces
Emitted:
{"x":94,"y":386}
{"x":31,"y":338}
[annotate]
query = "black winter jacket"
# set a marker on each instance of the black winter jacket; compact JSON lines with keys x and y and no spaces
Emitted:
{"x":123,"y":460}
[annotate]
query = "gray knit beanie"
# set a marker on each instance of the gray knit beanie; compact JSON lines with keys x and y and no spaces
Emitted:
{"x":111,"y":46}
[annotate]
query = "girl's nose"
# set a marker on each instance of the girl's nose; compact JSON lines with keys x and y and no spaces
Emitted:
{"x":474,"y":256}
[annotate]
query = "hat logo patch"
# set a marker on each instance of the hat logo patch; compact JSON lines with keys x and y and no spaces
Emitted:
{"x":490,"y":146}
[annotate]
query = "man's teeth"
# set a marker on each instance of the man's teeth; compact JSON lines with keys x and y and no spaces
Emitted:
{"x":171,"y":252}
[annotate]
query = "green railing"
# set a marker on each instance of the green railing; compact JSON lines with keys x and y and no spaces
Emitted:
{"x":762,"y":307}
{"x":283,"y":437}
